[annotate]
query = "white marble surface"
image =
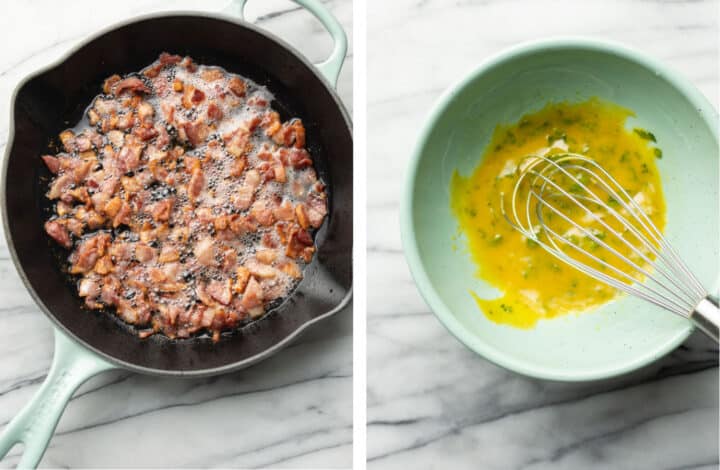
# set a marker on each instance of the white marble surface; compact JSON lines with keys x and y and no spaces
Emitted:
{"x":294,"y":410}
{"x":431,"y":402}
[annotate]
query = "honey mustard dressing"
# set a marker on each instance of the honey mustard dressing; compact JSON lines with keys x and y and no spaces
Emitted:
{"x":534,"y":284}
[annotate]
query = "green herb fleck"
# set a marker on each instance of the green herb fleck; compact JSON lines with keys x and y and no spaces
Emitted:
{"x":496,"y":239}
{"x":647,"y":135}
{"x":658,"y":153}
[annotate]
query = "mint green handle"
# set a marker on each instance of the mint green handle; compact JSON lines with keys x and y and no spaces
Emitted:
{"x":35,"y":424}
{"x":330,"y":68}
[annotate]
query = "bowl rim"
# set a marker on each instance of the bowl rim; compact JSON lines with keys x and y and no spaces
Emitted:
{"x":409,"y":241}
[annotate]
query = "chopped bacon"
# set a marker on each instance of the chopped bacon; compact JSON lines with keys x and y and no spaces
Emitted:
{"x":253,"y":295}
{"x":196,"y":132}
{"x":214,"y":112}
{"x":262,"y":213}
{"x":299,"y":159}
{"x":298,"y":240}
{"x":317,"y":209}
{"x":197,"y":180}
{"x":61,"y":184}
{"x":215,"y":226}
{"x":220,"y":291}
{"x":88,"y":252}
{"x":129,"y":156}
{"x":210,"y":74}
{"x":284,"y":211}
{"x":291,"y":133}
{"x":88,"y":287}
{"x":260,"y":270}
{"x":144,"y":253}
{"x":52,"y":163}
{"x":161,"y":210}
{"x":133,"y":84}
{"x":83,"y":143}
{"x":238,"y":144}
{"x":237,"y":166}
{"x":110,"y":290}
{"x":145,"y":112}
{"x":237,"y":86}
{"x":205,"y":252}
{"x":58,"y":232}
{"x":169,"y":59}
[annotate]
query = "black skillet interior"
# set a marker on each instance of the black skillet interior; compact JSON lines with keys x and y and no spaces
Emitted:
{"x":54,"y":100}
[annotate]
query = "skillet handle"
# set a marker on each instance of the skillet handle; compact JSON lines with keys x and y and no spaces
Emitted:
{"x":330,"y":68}
{"x":34,"y":425}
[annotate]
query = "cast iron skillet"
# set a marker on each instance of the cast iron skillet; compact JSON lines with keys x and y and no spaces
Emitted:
{"x":88,"y":342}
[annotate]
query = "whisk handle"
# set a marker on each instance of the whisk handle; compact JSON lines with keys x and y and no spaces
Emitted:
{"x":706,"y":317}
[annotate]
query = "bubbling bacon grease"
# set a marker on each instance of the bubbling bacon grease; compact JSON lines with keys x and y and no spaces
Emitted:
{"x":186,"y":203}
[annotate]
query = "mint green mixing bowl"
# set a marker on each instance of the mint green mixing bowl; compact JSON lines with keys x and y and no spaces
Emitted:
{"x":622,"y":335}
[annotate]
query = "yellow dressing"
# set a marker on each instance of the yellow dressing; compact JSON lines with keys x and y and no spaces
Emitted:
{"x":535,"y":284}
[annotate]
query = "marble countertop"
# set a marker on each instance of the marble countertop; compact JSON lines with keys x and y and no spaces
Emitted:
{"x":432,"y":403}
{"x":294,"y":410}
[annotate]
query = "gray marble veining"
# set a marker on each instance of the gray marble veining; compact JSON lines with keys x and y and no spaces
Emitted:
{"x":292,"y":411}
{"x":433,"y":404}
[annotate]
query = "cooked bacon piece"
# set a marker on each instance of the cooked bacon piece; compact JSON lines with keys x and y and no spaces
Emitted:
{"x":241,"y":225}
{"x":237,"y":143}
{"x":58,"y":232}
{"x":271,"y":123}
{"x":237,"y":166}
{"x":317,"y":209}
{"x":205,"y":252}
{"x":210,"y":74}
{"x":291,"y":133}
{"x":68,"y":140}
{"x":290,"y":268}
{"x":144,"y":253}
{"x":260,"y":270}
{"x":298,"y":240}
{"x":61,"y":184}
{"x":245,"y":194}
{"x":197,"y":132}
{"x":196,"y":184}
{"x":83,"y":143}
{"x":145,"y":112}
{"x":169,"y":59}
{"x":123,"y":215}
{"x":88,"y":252}
{"x":284,"y":211}
{"x":253,"y":296}
{"x":104,"y":265}
{"x":89,"y":287}
{"x":191,"y":96}
{"x":133,"y":84}
{"x":110,"y":83}
{"x":299,"y":159}
{"x":302,"y":217}
{"x":161,"y":210}
{"x":214,"y":112}
{"x":279,"y":173}
{"x":52,"y":163}
{"x":237,"y":86}
{"x":129,"y":157}
{"x":262,"y":213}
{"x":220,"y":291}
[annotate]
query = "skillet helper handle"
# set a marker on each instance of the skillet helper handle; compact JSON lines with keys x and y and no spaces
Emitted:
{"x":34,"y":425}
{"x":706,"y":317}
{"x":330,"y":68}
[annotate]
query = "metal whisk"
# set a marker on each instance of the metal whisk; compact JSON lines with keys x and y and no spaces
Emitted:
{"x":574,"y":209}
